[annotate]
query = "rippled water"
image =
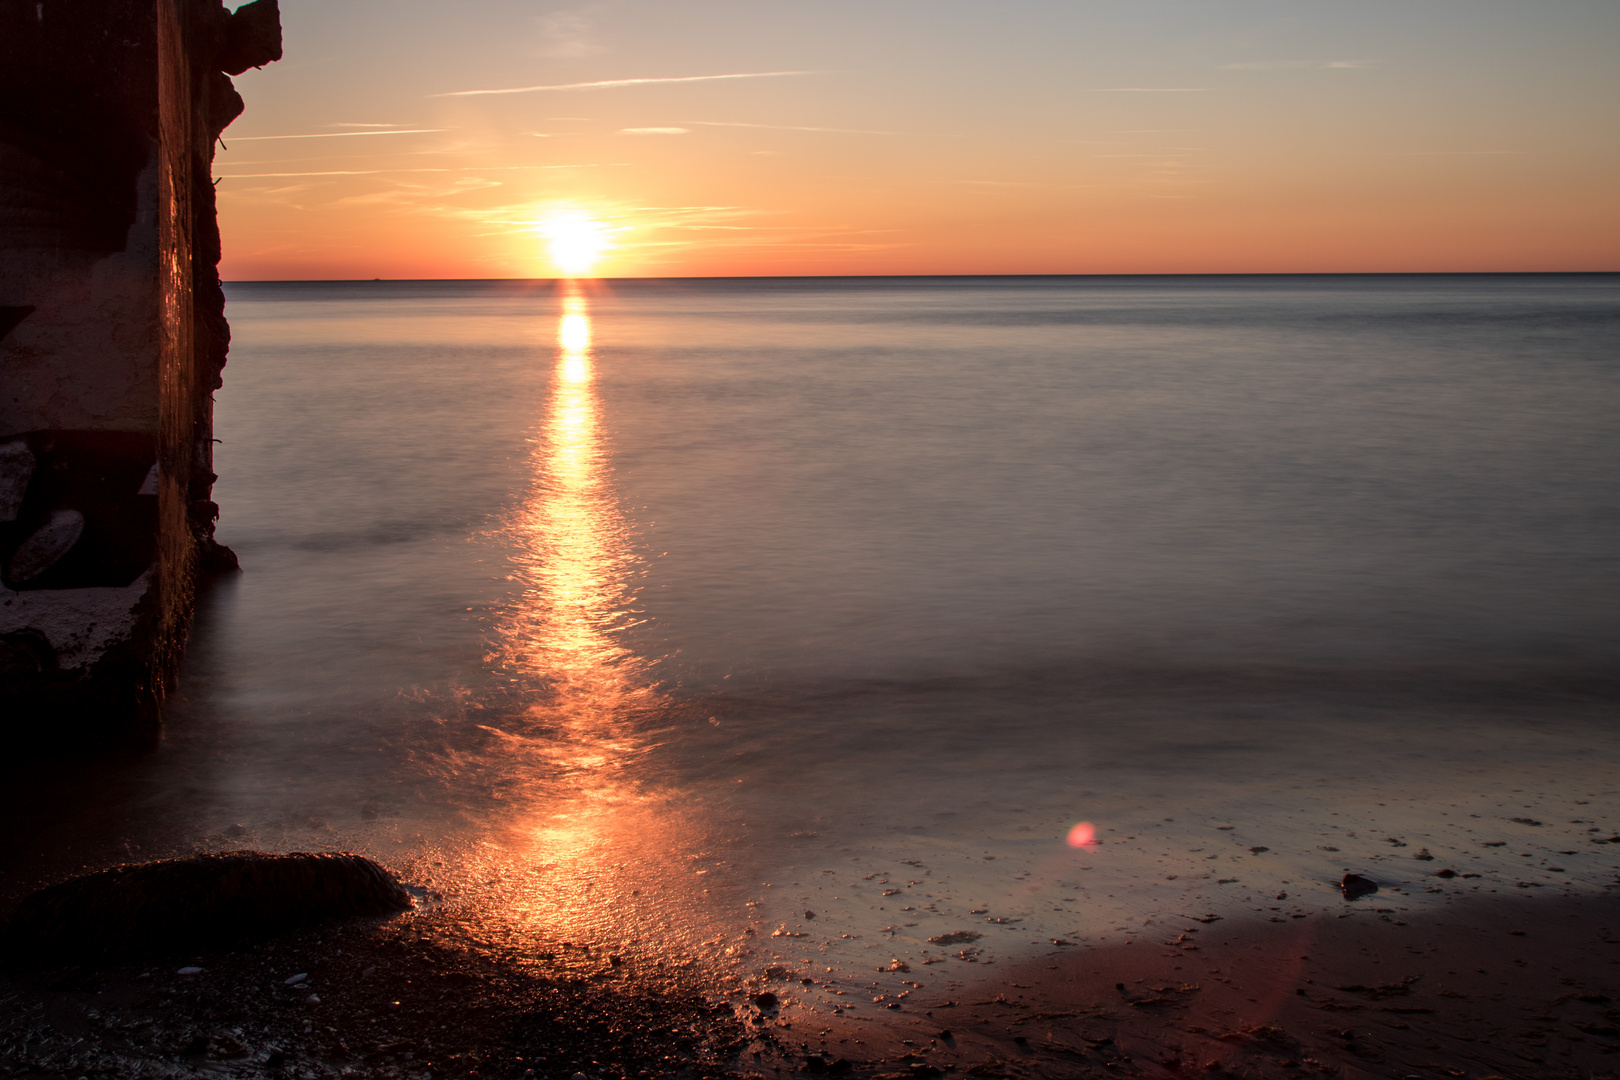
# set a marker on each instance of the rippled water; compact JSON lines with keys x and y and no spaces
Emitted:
{"x":673,"y":611}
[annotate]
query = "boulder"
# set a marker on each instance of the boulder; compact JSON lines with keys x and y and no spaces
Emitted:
{"x":204,"y":900}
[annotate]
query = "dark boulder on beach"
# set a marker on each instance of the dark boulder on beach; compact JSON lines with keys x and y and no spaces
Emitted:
{"x":132,"y":911}
{"x":1354,"y":885}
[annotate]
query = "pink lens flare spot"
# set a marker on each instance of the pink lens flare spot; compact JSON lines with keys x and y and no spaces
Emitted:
{"x":1083,"y":835}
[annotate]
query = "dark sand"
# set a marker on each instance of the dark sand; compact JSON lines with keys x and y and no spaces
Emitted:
{"x":1505,"y":987}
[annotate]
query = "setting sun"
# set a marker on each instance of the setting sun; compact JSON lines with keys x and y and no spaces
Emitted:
{"x":575,"y":241}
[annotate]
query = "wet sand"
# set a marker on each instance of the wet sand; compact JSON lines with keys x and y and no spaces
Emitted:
{"x":420,"y":994}
{"x":1477,"y":987}
{"x":1504,"y":987}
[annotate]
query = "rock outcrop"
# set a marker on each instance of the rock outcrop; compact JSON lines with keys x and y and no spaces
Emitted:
{"x":112,"y":340}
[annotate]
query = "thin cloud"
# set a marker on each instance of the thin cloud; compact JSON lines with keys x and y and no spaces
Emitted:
{"x":604,"y":84}
{"x":654,"y":131}
{"x":334,"y":172}
{"x":1282,"y":65}
{"x":337,"y":134}
{"x":378,"y":172}
{"x":788,"y":127}
{"x":361,"y":125}
{"x":1446,"y":153}
{"x":1150,"y":90}
{"x":567,"y":34}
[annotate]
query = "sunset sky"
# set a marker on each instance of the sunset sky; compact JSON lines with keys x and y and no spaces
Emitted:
{"x":407,"y":139}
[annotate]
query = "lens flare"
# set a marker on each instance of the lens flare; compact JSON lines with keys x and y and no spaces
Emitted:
{"x":1083,"y":835}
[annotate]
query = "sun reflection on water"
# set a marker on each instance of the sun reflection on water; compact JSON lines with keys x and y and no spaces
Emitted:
{"x":575,"y":557}
{"x":596,"y":837}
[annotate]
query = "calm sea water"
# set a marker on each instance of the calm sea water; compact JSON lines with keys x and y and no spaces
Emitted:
{"x":675,"y":607}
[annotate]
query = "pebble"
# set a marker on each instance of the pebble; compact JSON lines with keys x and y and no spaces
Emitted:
{"x":189,"y":971}
{"x":1355,"y":885}
{"x":577,"y":1076}
{"x":313,"y":999}
{"x":296,"y":979}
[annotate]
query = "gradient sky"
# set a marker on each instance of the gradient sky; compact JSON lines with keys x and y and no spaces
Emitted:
{"x":937,"y":137}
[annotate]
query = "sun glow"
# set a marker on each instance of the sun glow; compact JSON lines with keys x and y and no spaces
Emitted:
{"x":575,"y":241}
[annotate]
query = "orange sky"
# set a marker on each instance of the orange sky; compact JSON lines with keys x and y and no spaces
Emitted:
{"x":929,"y":138}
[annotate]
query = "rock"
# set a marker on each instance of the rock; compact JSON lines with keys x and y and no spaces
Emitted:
{"x":187,"y":903}
{"x":16,"y":469}
{"x":958,"y":937}
{"x":1445,"y":873}
{"x":765,"y":1000}
{"x":1423,"y":855}
{"x":294,"y":980}
{"x":809,"y":914}
{"x":252,"y":37}
{"x":313,"y":999}
{"x":1355,"y":885}
{"x":46,"y":546}
{"x":189,"y":971}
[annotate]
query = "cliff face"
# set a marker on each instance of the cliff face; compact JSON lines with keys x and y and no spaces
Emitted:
{"x":112,"y":341}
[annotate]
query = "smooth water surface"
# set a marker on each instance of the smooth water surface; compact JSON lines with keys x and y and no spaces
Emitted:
{"x":674,"y":609}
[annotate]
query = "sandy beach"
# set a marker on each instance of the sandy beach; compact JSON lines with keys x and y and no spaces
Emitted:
{"x":1474,"y":988}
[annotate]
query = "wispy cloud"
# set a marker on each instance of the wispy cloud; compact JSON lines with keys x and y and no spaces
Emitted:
{"x":337,"y":134}
{"x":1150,"y":90}
{"x":1280,"y":65}
{"x":603,"y":84}
{"x":654,"y":131}
{"x":567,"y":35}
{"x":390,"y":172}
{"x":1446,"y":153}
{"x":331,"y":172}
{"x":787,"y":127}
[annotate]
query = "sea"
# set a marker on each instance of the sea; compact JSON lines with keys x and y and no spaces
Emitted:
{"x":888,"y":629}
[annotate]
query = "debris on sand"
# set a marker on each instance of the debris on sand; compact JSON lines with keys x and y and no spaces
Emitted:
{"x":1354,"y":885}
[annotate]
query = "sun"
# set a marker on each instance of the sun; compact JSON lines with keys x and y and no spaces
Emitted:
{"x":575,"y":241}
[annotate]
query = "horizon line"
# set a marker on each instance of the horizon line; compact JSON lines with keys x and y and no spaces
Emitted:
{"x":837,"y":277}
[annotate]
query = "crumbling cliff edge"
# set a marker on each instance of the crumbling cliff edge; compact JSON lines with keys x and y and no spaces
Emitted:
{"x":112,"y":341}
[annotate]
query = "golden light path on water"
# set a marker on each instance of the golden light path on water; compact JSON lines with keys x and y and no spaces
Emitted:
{"x":593,"y":841}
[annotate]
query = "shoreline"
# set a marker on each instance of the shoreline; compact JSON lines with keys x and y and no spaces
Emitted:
{"x":1502,"y":986}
